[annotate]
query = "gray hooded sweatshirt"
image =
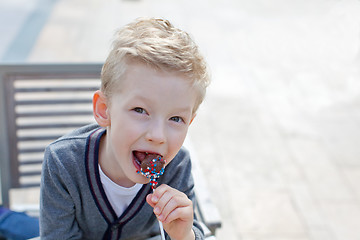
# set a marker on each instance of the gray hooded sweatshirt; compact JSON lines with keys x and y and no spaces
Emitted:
{"x":73,"y":202}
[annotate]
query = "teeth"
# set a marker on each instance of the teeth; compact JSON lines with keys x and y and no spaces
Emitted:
{"x":146,"y":153}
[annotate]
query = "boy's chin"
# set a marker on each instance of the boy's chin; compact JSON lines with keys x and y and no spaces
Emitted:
{"x":142,"y":180}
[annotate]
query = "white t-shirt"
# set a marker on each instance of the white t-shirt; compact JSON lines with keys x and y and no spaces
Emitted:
{"x":119,"y":197}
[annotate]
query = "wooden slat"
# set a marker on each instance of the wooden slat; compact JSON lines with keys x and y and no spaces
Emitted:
{"x":31,"y":150}
{"x":55,"y":113}
{"x":32,"y":162}
{"x":39,"y":137}
{"x":54,"y":101}
{"x":29,"y":185}
{"x":30,"y":173}
{"x":52,"y":125}
{"x":56,"y":89}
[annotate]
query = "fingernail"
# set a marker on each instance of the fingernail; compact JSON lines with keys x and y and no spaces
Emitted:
{"x":157,"y":211}
{"x":154,"y":199}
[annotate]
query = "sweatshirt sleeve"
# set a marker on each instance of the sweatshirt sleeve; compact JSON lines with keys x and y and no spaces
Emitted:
{"x":57,"y":218}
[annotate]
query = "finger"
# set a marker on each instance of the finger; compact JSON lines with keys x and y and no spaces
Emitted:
{"x":159,"y":191}
{"x":182,"y":213}
{"x":162,"y":202}
{"x":177,"y":202}
{"x":149,"y":200}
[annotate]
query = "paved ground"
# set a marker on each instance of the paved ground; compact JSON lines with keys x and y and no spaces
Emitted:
{"x":279,"y":133}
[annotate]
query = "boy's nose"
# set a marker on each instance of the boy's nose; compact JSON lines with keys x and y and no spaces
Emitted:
{"x":156,"y":133}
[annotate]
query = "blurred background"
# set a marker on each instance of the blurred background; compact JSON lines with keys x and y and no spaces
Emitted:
{"x":278,"y":135}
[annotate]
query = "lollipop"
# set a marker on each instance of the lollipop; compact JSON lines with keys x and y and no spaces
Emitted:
{"x":152,"y":167}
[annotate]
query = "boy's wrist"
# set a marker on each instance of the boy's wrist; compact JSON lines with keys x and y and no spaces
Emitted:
{"x":190,"y":236}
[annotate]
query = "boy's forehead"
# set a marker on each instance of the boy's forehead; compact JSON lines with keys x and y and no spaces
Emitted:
{"x":137,"y":65}
{"x":143,"y":81}
{"x":146,"y":80}
{"x":138,"y":73}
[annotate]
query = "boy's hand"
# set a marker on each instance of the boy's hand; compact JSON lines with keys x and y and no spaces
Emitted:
{"x":175,"y":210}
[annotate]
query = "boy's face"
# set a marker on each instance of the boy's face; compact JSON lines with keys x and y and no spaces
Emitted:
{"x":150,"y":114}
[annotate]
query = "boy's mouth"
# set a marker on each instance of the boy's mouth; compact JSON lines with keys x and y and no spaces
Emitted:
{"x":140,"y":156}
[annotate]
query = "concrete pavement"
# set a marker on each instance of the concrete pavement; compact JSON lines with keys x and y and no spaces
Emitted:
{"x":279,"y":133}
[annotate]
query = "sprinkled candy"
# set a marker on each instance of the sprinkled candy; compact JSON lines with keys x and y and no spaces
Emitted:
{"x":152,"y":167}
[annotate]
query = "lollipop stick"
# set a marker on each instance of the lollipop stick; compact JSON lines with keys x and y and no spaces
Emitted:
{"x":161,"y":227}
{"x":161,"y":230}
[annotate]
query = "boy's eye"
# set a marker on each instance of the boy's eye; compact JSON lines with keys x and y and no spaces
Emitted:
{"x":139,"y":110}
{"x":177,"y":119}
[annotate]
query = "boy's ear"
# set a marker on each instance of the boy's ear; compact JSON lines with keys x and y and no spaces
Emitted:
{"x":100,"y":109}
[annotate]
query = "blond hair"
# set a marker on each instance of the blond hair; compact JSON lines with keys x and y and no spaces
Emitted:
{"x":158,"y":43}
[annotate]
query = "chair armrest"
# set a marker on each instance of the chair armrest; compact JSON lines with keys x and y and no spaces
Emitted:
{"x":206,"y":210}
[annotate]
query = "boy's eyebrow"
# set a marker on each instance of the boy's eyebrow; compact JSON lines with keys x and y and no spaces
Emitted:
{"x":183,"y":109}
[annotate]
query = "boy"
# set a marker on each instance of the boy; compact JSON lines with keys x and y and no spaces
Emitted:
{"x":152,"y":83}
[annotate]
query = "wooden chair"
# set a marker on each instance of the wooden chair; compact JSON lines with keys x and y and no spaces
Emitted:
{"x":41,"y":102}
